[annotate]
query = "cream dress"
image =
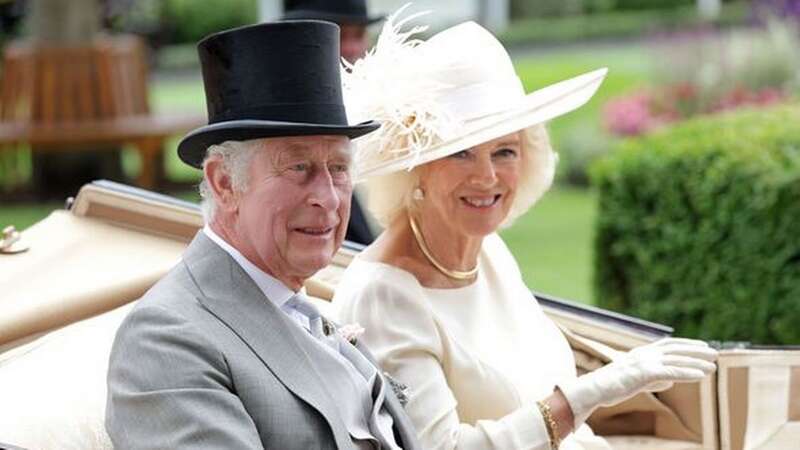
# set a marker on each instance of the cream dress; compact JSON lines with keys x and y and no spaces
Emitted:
{"x":475,"y":359}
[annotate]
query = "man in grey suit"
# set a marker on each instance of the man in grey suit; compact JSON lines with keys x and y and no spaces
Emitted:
{"x":225,"y":352}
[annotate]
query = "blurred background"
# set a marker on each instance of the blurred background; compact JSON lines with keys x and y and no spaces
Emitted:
{"x":677,"y":187}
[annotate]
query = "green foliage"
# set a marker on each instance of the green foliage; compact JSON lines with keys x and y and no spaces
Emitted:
{"x":545,"y":8}
{"x":612,"y":24}
{"x":191,"y":20}
{"x":698,"y":227}
{"x":651,"y":4}
{"x":549,"y":8}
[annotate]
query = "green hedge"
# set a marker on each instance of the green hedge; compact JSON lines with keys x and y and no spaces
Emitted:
{"x":191,"y":20}
{"x":699,"y":227}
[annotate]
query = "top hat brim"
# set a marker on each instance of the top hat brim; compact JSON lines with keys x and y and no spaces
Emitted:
{"x":305,"y":14}
{"x":192,"y":148}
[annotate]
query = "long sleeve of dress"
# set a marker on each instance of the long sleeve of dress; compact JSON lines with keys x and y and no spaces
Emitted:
{"x":403,"y":334}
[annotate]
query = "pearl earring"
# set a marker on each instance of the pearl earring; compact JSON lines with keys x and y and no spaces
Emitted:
{"x":418,"y":194}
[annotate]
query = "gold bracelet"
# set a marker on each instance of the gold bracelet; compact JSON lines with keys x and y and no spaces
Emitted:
{"x":550,"y":424}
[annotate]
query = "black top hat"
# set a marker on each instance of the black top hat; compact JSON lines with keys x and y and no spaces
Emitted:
{"x":269,"y":80}
{"x":339,"y":11}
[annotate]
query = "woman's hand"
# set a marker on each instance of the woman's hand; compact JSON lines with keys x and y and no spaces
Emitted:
{"x":650,"y":368}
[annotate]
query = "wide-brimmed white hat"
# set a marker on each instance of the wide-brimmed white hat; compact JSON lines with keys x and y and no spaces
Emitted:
{"x":437,"y":97}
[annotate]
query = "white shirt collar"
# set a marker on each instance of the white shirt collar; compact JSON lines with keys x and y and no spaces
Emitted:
{"x":277,"y":292}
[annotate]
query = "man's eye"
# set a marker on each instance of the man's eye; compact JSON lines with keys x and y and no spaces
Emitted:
{"x":463,"y":154}
{"x":338,"y":168}
{"x":340,"y":173}
{"x":299,"y":167}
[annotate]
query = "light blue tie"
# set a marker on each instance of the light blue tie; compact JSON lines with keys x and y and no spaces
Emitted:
{"x":300,"y":303}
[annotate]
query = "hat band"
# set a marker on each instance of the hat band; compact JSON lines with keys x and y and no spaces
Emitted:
{"x":477,"y":100}
{"x":312,"y":113}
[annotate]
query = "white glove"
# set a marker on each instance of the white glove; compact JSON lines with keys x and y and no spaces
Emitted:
{"x":650,"y":368}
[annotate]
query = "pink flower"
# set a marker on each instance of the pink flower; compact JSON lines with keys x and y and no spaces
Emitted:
{"x":629,"y":115}
{"x":640,"y":112}
{"x":742,"y":96}
{"x":769,"y":96}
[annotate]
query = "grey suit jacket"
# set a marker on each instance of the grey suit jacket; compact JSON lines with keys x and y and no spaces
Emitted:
{"x":205,"y":361}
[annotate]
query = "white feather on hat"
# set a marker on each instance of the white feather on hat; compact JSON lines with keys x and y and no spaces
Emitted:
{"x":393,"y":84}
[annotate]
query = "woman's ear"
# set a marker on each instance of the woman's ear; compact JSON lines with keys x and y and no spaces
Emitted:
{"x":220,"y":184}
{"x":419,"y":175}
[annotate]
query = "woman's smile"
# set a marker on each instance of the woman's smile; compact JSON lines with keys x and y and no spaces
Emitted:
{"x":481,"y":201}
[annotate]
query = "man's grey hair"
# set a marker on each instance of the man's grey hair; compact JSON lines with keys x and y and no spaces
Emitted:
{"x":236,"y":157}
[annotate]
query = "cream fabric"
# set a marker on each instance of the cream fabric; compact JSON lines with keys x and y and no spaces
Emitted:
{"x":756,"y":399}
{"x":77,"y":268}
{"x":475,"y":358}
{"x":651,"y":443}
{"x":56,"y":386}
{"x":768,"y":424}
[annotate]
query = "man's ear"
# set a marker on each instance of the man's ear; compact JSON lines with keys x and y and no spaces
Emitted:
{"x":219,"y":182}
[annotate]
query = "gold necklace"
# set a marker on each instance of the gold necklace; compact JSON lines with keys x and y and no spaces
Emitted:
{"x":455,"y":274}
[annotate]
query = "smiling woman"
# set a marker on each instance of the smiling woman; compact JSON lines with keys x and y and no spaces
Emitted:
{"x":462,"y":198}
{"x":463,"y":151}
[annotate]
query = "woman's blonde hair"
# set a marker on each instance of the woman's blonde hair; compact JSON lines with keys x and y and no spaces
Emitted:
{"x":390,"y":195}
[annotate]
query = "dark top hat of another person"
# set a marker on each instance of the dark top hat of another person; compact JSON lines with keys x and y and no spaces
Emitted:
{"x":338,"y":11}
{"x":271,"y":80}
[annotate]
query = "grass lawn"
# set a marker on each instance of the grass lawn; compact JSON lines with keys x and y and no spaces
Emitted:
{"x":553,"y":244}
{"x":22,"y":216}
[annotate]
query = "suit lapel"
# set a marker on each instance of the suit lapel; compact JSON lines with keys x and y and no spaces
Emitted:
{"x":233,"y":297}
